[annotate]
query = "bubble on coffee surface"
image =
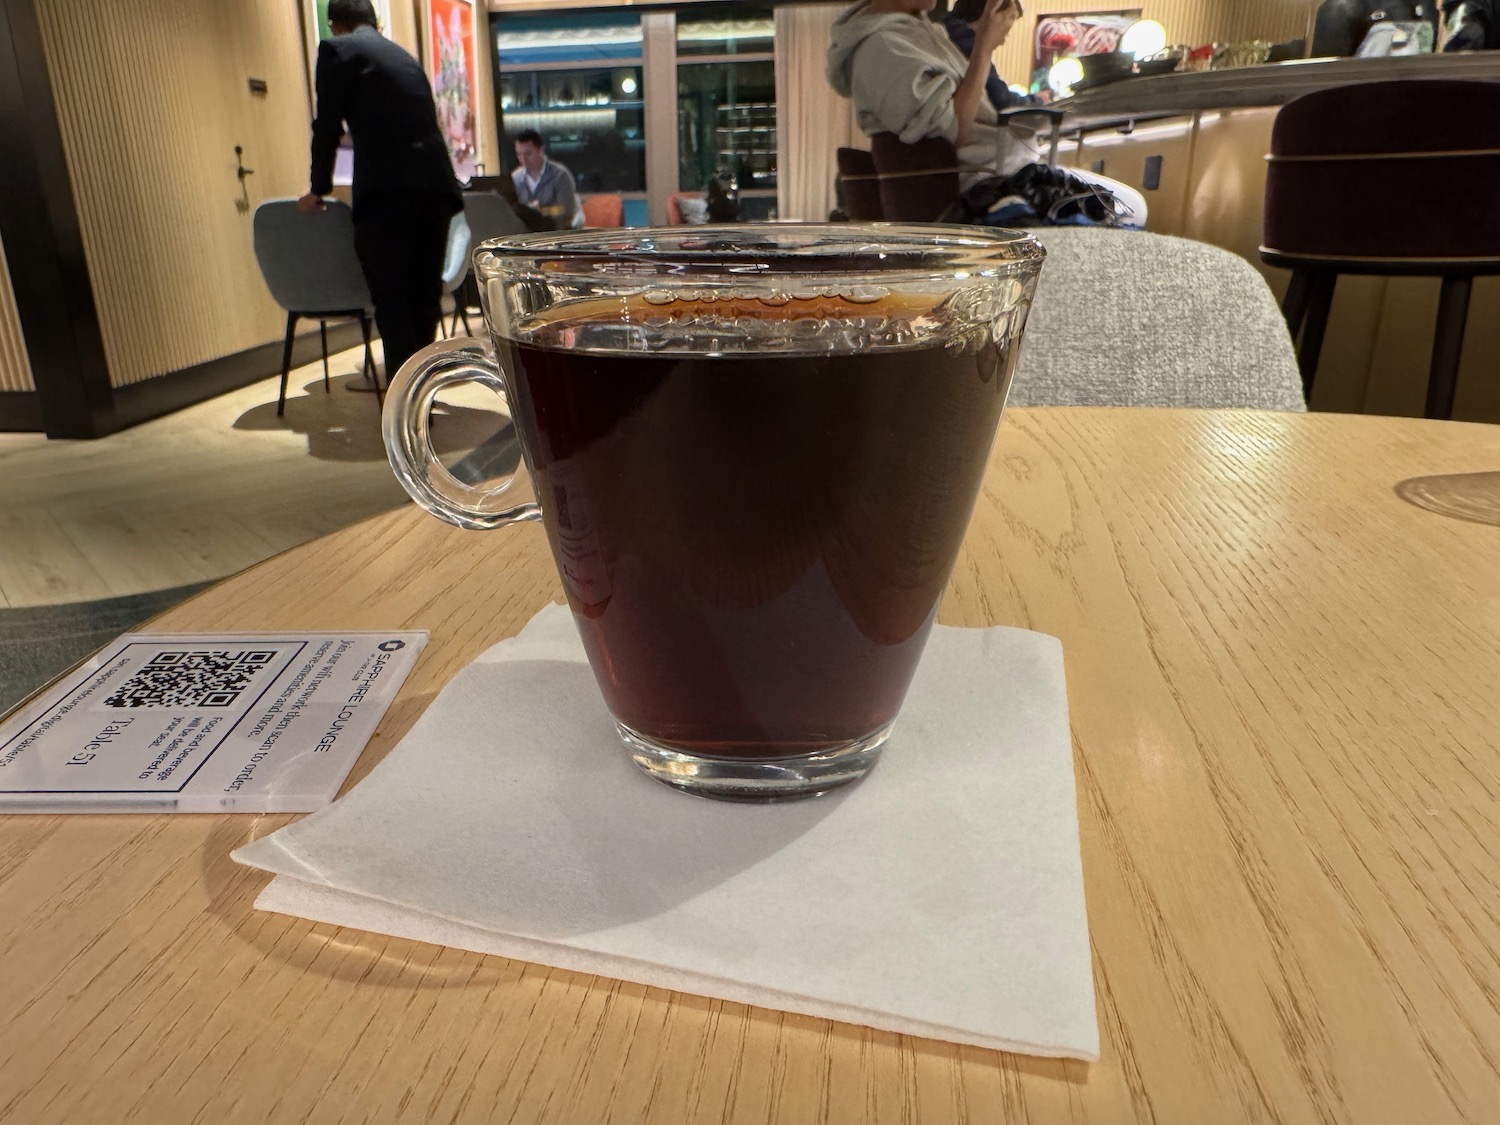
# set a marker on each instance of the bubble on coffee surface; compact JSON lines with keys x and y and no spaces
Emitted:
{"x":798,"y":318}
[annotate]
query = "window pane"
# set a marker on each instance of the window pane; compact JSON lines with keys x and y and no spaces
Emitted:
{"x":577,"y":81}
{"x":593,"y":121}
{"x":757,"y":208}
{"x":585,"y":37}
{"x":726,"y":121}
{"x":727,"y":29}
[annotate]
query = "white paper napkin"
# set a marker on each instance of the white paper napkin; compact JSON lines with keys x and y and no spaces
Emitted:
{"x":942,"y":896}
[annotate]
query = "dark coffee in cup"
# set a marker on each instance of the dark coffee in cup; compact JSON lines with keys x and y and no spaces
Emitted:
{"x":755,"y":544}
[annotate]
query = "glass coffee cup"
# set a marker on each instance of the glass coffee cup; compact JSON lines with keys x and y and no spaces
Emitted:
{"x":755,"y":450}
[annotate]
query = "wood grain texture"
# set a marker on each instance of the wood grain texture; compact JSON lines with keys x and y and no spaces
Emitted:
{"x":15,"y":365}
{"x":1283,"y":689}
{"x":150,"y":113}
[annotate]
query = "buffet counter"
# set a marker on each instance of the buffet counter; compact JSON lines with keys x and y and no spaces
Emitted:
{"x":1275,"y":84}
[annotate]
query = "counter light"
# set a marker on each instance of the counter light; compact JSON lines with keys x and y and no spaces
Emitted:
{"x":1066,"y":73}
{"x":1144,"y":38}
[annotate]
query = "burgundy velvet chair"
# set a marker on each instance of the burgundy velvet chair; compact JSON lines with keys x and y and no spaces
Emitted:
{"x":918,"y":182}
{"x":859,"y":185}
{"x":1392,"y":178}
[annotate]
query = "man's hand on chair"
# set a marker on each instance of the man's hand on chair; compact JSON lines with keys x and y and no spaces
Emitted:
{"x":310,"y":204}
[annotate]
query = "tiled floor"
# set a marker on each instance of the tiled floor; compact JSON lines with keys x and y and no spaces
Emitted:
{"x":204,"y":492}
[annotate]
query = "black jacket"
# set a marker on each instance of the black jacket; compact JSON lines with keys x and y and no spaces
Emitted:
{"x":380,"y":91}
{"x":1341,"y":25}
{"x":1473,"y":25}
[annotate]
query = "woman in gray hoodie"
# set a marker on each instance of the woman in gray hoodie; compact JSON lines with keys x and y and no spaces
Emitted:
{"x":906,"y":77}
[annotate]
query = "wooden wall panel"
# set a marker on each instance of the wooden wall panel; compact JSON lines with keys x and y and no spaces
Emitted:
{"x":15,"y":367}
{"x":151,"y":104}
{"x":487,"y":112}
{"x":1124,"y":158}
{"x":1227,"y":194}
{"x":406,"y":18}
{"x":1272,"y":20}
{"x":1193,"y":22}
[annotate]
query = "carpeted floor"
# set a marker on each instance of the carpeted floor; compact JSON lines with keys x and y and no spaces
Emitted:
{"x":38,"y":642}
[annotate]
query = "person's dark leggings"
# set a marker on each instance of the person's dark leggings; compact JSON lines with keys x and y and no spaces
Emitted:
{"x":402,"y":242}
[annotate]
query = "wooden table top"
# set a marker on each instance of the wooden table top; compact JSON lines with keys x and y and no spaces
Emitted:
{"x":1283,"y":681}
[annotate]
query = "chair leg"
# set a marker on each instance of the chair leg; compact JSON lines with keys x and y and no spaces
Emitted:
{"x":1320,"y":301}
{"x":463,"y":312}
{"x":323,"y":335}
{"x":367,"y":365}
{"x":1294,"y":304}
{"x":370,"y":372}
{"x":1448,"y":346}
{"x":286,"y":362}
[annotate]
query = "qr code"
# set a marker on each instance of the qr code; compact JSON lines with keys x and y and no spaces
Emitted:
{"x":197,"y":678}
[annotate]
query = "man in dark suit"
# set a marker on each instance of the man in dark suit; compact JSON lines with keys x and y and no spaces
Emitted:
{"x":405,"y":193}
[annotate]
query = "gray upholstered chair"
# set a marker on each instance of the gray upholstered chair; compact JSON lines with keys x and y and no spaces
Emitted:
{"x":456,"y":269}
{"x":490,"y":215}
{"x":1125,"y":318}
{"x":312,"y":271}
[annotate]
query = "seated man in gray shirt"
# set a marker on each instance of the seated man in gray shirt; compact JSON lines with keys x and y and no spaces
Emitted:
{"x":545,"y":184}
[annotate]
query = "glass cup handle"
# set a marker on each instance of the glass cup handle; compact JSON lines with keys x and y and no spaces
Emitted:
{"x":408,"y":438}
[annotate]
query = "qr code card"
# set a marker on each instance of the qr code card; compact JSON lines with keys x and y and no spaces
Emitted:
{"x":186,"y":723}
{"x":203,"y":677}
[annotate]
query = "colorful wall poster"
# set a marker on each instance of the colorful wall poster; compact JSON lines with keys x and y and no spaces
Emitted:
{"x":451,"y":47}
{"x":1078,"y":33}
